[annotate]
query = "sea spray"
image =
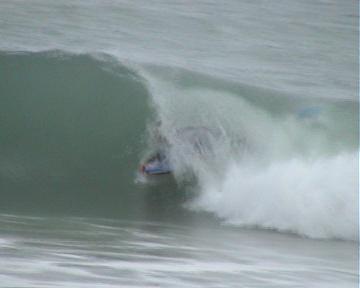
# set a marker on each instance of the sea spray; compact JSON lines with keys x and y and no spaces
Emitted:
{"x":316,"y":198}
{"x":269,"y":167}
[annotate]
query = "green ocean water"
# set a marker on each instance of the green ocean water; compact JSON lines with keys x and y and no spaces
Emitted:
{"x":86,"y":86}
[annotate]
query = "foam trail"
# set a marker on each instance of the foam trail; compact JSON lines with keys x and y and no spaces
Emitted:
{"x":314,"y":198}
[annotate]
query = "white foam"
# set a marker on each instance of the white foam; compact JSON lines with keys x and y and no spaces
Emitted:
{"x":314,"y":198}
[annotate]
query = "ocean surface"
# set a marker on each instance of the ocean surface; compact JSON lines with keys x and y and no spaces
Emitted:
{"x":87,"y":88}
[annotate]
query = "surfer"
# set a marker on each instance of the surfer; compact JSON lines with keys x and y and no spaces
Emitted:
{"x":157,"y":164}
{"x":198,"y":139}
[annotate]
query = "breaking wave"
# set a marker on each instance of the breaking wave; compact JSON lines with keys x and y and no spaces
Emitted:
{"x":75,"y":127}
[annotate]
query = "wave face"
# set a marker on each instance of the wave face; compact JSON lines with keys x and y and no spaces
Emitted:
{"x":70,"y":130}
{"x":82,"y":97}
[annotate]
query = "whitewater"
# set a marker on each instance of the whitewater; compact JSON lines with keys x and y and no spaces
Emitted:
{"x":86,"y":85}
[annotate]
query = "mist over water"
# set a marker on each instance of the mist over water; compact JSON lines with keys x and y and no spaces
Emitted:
{"x":303,"y":169}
